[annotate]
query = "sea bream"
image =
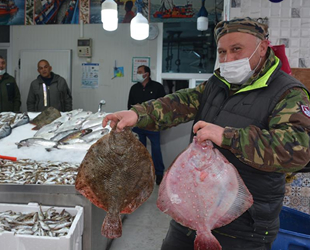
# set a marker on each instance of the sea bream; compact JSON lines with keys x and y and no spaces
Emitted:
{"x":203,"y":191}
{"x":5,"y":130}
{"x":117,"y":175}
{"x":19,"y":120}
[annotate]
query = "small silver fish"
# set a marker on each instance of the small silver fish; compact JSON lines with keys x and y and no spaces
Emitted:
{"x":36,"y":141}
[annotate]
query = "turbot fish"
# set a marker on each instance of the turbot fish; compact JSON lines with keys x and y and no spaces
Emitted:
{"x":45,"y":117}
{"x":117,"y":175}
{"x":203,"y":191}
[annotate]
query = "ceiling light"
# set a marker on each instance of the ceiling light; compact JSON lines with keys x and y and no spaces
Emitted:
{"x":202,"y":20}
{"x":109,"y":15}
{"x":139,"y":27}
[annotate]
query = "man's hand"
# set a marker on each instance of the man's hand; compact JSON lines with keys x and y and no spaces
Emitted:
{"x":208,"y":131}
{"x":121,"y":119}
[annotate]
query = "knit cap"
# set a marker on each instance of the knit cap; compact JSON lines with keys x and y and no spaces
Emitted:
{"x":245,"y":25}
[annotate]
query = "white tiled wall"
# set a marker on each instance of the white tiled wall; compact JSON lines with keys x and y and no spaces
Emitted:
{"x":289,"y":24}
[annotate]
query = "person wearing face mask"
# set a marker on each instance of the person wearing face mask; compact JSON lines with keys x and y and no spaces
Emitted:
{"x":144,"y":90}
{"x":48,"y":90}
{"x":9,"y":91}
{"x":255,"y":114}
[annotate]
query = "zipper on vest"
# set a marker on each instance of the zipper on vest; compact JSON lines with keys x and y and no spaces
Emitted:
{"x":223,"y":104}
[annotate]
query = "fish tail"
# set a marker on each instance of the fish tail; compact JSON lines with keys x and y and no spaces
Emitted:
{"x":112,"y":226}
{"x":206,"y":241}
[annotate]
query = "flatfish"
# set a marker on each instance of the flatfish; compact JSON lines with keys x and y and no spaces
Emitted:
{"x":203,"y":191}
{"x":117,"y":175}
{"x":45,"y":117}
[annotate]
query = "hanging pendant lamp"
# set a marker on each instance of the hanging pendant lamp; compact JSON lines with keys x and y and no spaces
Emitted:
{"x":202,"y":20}
{"x":139,"y":27}
{"x":109,"y":15}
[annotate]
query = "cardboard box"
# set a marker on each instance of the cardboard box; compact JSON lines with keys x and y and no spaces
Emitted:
{"x":72,"y":241}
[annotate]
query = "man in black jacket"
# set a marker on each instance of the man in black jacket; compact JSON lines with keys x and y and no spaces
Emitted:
{"x":48,"y":90}
{"x":147,"y":89}
{"x":9,"y":92}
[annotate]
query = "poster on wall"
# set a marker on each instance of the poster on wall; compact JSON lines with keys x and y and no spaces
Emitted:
{"x":29,"y":12}
{"x":12,"y":12}
{"x":56,"y":12}
{"x":136,"y":62}
{"x":127,"y":9}
{"x":90,"y":75}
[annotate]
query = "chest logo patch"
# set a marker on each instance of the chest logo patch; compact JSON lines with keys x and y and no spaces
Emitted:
{"x":306,"y":110}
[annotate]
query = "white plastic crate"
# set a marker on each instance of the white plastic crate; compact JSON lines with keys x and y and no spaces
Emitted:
{"x":72,"y":241}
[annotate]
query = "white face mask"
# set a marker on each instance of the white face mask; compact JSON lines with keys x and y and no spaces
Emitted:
{"x":238,"y":71}
{"x":2,"y":72}
{"x":140,"y":78}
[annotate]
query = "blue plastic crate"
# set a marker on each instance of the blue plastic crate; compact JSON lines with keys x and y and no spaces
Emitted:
{"x":294,"y":231}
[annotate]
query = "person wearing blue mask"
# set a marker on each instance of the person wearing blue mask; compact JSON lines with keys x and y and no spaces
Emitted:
{"x":9,"y":91}
{"x":144,"y":90}
{"x":255,"y":114}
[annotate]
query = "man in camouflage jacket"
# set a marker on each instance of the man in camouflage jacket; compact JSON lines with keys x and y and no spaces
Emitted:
{"x":255,"y":114}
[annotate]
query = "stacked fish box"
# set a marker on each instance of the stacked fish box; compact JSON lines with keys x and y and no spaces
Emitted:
{"x":21,"y":240}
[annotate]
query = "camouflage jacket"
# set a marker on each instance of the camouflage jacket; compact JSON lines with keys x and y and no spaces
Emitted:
{"x":287,"y":122}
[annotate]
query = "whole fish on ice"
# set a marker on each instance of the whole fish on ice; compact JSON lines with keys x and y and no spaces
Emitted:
{"x":45,"y":117}
{"x":19,"y":119}
{"x":203,"y":191}
{"x":5,"y":130}
{"x":117,"y":175}
{"x":36,"y":142}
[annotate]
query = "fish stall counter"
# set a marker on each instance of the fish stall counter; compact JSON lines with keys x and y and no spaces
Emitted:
{"x":51,"y":194}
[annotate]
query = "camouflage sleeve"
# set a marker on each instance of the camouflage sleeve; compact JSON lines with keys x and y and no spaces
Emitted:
{"x":170,"y":110}
{"x":284,"y":147}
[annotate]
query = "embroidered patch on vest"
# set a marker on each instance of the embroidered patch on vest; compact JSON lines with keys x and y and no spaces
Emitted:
{"x":306,"y":110}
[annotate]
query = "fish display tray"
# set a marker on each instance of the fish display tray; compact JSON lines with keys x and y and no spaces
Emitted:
{"x":72,"y":241}
{"x":294,"y":231}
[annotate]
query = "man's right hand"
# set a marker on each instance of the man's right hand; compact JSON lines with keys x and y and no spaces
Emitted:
{"x":121,"y":119}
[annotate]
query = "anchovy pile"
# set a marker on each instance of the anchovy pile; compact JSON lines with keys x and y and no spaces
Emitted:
{"x":47,"y":223}
{"x":35,"y":172}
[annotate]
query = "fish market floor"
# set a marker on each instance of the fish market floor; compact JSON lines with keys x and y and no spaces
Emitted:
{"x":144,"y":229}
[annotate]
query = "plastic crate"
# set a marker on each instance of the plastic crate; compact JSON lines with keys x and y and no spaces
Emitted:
{"x":294,"y":233}
{"x":71,"y":241}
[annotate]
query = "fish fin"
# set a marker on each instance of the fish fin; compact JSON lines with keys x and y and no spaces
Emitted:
{"x":52,"y":148}
{"x":206,"y":240}
{"x":112,"y":226}
{"x":242,"y":203}
{"x":36,"y":128}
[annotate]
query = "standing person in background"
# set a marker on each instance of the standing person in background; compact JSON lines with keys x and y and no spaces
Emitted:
{"x":146,"y":89}
{"x":9,"y":92}
{"x":255,"y":114}
{"x":48,"y":90}
{"x":129,"y":13}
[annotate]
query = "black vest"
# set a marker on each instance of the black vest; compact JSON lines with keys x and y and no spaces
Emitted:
{"x":261,"y":221}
